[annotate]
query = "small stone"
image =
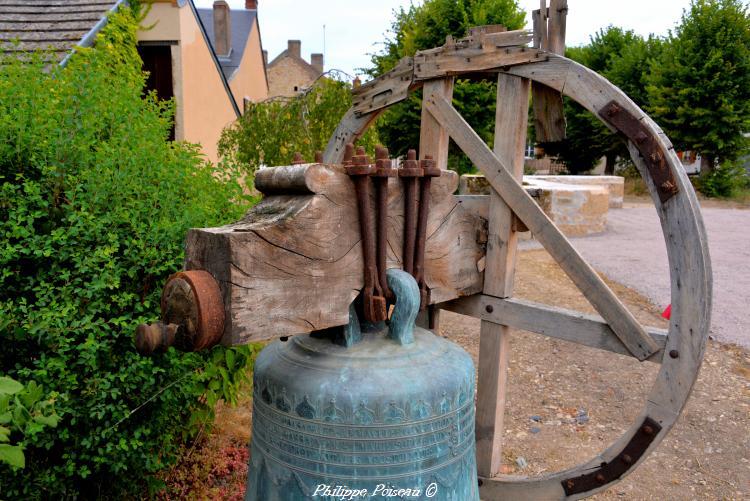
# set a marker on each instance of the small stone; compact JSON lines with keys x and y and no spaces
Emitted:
{"x":521,"y":462}
{"x":534,"y":429}
{"x":538,"y":419}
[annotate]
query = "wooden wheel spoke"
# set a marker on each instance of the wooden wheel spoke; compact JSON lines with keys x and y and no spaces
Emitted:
{"x":601,"y":297}
{"x":558,"y":323}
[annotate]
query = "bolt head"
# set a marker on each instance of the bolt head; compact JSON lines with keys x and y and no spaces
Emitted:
{"x":489,"y":308}
{"x":674,"y":353}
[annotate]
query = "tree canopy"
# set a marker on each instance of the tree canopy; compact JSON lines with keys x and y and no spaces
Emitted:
{"x":426,"y":26}
{"x":699,"y":89}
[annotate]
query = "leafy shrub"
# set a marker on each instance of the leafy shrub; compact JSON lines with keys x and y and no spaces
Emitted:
{"x":94,"y":206}
{"x":270,"y":132}
{"x":22,"y":412}
{"x":725,"y":181}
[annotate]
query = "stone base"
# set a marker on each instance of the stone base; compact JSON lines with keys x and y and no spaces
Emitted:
{"x":615,"y":184}
{"x":578,"y":208}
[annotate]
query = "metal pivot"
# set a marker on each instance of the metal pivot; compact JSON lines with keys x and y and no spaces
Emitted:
{"x":192,"y":315}
{"x":383,"y":170}
{"x":360,"y":169}
{"x":430,"y":170}
{"x":410,"y":171}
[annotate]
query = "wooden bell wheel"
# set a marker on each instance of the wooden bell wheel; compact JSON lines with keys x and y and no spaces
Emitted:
{"x":679,"y":350}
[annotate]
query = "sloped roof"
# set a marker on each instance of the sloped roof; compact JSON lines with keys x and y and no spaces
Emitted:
{"x":242,"y":23}
{"x":298,"y":60}
{"x":54,"y":25}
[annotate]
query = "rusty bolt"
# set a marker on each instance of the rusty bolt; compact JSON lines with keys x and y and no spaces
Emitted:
{"x":348,"y":153}
{"x":627,"y":459}
{"x":600,"y":478}
{"x":647,"y":430}
{"x":297,"y":158}
{"x":318,"y":157}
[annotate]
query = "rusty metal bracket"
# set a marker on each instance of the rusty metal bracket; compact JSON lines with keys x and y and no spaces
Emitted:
{"x":652,"y":153}
{"x":624,"y":461}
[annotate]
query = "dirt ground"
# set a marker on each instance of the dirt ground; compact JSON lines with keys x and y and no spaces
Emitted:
{"x":568,"y":402}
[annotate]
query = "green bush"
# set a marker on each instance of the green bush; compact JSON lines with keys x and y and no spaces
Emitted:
{"x":94,"y":206}
{"x":23,"y":413}
{"x":270,"y":132}
{"x":725,"y":181}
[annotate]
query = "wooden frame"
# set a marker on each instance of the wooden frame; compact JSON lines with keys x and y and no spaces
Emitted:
{"x":680,"y":350}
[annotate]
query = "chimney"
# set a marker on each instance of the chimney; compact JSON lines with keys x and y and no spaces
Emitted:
{"x":316,"y":60}
{"x":251,"y":4}
{"x":294,"y":47}
{"x":265,"y":57}
{"x":222,"y":28}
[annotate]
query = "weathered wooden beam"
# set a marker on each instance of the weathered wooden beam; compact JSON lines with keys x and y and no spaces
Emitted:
{"x":549,"y":35}
{"x":293,"y":264}
{"x":494,"y":339}
{"x":434,"y":141}
{"x":558,"y":323}
{"x":597,"y":292}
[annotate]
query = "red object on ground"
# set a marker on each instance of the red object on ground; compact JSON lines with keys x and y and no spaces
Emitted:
{"x":667,"y":312}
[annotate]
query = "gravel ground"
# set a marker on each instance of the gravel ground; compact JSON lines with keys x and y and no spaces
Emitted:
{"x":632,"y":252}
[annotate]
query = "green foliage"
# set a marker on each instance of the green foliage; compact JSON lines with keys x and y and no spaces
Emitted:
{"x":700,"y":87}
{"x":623,"y":58}
{"x":94,"y":207}
{"x":726,"y":181}
{"x":270,"y":132}
{"x":426,"y":26}
{"x":23,"y":412}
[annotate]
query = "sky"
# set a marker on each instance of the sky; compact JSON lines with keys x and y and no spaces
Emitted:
{"x":355,"y":28}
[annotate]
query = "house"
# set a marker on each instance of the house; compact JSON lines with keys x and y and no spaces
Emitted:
{"x":208,"y":60}
{"x":289,"y":74}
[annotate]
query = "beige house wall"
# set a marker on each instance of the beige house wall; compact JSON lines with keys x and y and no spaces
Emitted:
{"x":249,"y":80}
{"x":203,"y":106}
{"x":285,"y":75}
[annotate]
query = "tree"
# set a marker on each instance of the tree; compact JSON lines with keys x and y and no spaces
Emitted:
{"x":271,"y":131}
{"x":700,"y":87}
{"x":623,"y":58}
{"x":424,"y":27}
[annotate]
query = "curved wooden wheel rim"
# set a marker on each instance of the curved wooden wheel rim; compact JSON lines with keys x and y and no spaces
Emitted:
{"x":690,"y":277}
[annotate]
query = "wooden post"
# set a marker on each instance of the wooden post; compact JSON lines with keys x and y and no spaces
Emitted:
{"x":549,"y":35}
{"x":510,"y":143}
{"x":434,"y":140}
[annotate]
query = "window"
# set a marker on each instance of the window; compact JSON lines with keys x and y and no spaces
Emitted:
{"x":157,"y":61}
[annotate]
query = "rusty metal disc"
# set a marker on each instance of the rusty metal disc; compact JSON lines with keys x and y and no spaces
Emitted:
{"x":193,"y":299}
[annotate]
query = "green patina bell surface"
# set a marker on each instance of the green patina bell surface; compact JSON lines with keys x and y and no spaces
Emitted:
{"x":387,"y":413}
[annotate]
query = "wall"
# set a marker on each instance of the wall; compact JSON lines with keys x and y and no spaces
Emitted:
{"x":286,"y":74}
{"x":249,"y":81}
{"x":203,"y":105}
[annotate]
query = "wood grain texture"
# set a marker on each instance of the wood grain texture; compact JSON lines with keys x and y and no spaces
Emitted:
{"x":494,"y":340}
{"x":558,"y":323}
{"x":549,"y":116}
{"x":591,"y":285}
{"x":434,"y":141}
{"x":294,"y":263}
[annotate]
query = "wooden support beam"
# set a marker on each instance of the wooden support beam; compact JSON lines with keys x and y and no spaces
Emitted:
{"x":494,"y":342}
{"x":549,"y":35}
{"x":293,"y":264}
{"x":600,"y":296}
{"x":434,"y":141}
{"x":558,"y":323}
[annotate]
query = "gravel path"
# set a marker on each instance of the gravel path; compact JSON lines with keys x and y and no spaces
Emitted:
{"x":633,"y":253}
